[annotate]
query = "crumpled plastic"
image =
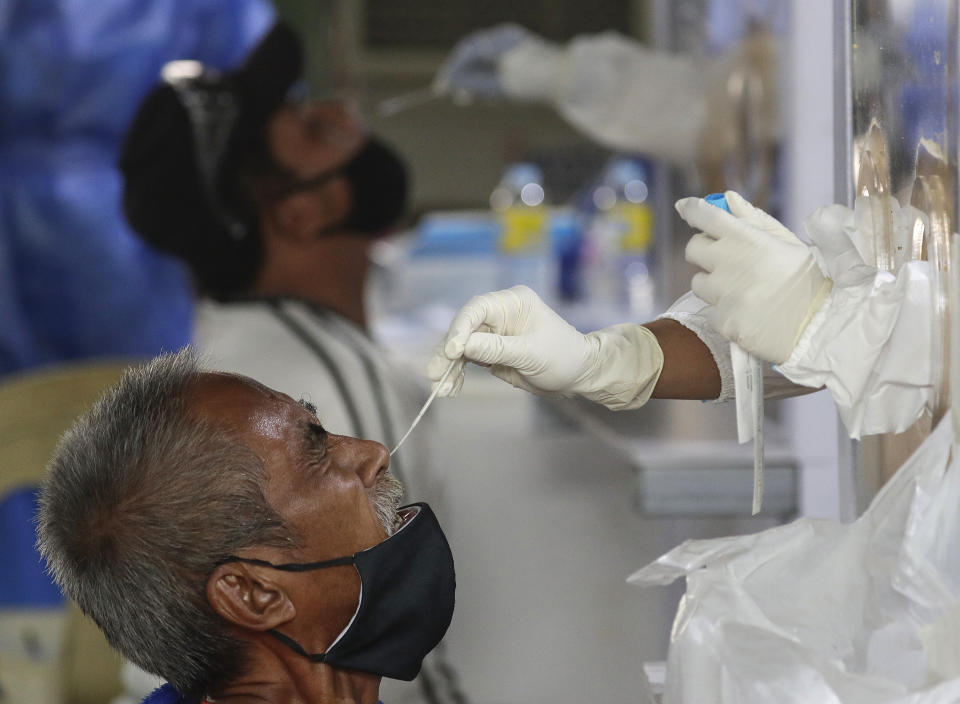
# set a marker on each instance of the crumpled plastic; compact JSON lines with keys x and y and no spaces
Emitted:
{"x":819,"y":612}
{"x":870,"y":342}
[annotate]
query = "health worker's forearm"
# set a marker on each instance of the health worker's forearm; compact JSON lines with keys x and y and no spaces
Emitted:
{"x":689,"y":370}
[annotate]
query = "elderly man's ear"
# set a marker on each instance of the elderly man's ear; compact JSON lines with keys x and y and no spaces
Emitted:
{"x":246,"y":595}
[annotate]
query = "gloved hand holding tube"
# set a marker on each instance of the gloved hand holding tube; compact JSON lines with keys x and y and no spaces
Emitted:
{"x":525,"y":343}
{"x":762,"y":282}
{"x":742,"y":257}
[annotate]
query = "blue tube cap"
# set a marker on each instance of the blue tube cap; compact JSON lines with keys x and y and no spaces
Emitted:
{"x":718,"y":200}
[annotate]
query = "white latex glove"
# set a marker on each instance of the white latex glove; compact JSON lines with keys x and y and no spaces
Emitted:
{"x":762,"y":283}
{"x":525,"y":343}
{"x":472,"y":68}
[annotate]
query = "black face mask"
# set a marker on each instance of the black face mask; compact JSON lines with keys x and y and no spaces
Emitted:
{"x":378,"y":182}
{"x":406,"y":600}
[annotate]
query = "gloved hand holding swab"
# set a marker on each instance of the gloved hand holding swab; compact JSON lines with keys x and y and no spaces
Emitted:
{"x":527,"y":344}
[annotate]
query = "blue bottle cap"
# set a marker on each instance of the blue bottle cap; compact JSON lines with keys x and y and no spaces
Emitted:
{"x":718,"y":200}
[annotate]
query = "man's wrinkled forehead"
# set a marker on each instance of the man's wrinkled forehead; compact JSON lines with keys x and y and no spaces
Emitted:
{"x":241,"y":403}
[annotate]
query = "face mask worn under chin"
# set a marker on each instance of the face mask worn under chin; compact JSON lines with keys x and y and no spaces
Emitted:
{"x":406,"y":600}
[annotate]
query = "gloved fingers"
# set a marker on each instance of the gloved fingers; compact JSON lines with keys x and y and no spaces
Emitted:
{"x":490,"y":349}
{"x":713,"y":221}
{"x":681,"y":205}
{"x":742,"y":208}
{"x":469,"y":85}
{"x":437,"y":369}
{"x":472,"y":64}
{"x":454,"y":381}
{"x":720,"y":321}
{"x":495,"y":41}
{"x":513,"y":308}
{"x":701,"y":251}
{"x":437,"y":365}
{"x":467,"y":74}
{"x":707,"y":287}
{"x":467,"y":80}
{"x":514,"y":378}
{"x":511,"y":311}
{"x":478,"y":311}
{"x":457,"y":381}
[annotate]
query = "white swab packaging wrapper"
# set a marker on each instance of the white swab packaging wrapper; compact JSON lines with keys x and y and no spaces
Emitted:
{"x":819,"y":612}
{"x":748,"y":382}
{"x":748,"y":385}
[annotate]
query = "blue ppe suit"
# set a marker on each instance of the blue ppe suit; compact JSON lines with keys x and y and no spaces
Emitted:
{"x":74,"y":280}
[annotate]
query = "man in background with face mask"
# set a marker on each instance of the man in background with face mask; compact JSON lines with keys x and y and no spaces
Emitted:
{"x":224,"y":540}
{"x":274,"y":204}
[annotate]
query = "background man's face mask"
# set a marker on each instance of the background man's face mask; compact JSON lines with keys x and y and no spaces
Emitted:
{"x":378,"y":184}
{"x":406,"y":599}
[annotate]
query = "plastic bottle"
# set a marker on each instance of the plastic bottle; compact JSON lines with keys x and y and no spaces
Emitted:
{"x":519,"y":201}
{"x":566,"y":242}
{"x":619,"y":239}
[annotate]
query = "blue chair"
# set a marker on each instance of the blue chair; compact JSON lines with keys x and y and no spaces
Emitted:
{"x":57,"y":655}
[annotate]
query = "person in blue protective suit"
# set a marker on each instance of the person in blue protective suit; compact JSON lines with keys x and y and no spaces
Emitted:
{"x":222,"y":538}
{"x":74,"y":282}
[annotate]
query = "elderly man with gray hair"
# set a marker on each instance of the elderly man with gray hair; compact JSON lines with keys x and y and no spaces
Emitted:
{"x":222,"y":539}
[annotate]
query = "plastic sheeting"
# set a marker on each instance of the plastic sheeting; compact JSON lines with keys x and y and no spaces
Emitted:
{"x":74,"y":281}
{"x":870,"y":342}
{"x":818,"y":612}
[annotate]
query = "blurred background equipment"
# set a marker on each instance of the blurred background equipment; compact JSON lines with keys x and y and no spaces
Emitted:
{"x":74,"y":282}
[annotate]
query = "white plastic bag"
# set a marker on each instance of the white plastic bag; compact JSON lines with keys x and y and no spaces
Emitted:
{"x":827,"y":613}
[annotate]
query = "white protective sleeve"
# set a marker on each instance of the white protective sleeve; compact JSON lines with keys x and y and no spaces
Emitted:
{"x":618,"y":92}
{"x":870,"y":342}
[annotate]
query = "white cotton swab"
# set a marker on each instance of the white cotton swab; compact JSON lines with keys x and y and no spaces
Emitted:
{"x":425,"y":406}
{"x":405,"y":101}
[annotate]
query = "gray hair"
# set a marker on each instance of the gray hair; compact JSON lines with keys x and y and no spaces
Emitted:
{"x":141,"y":501}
